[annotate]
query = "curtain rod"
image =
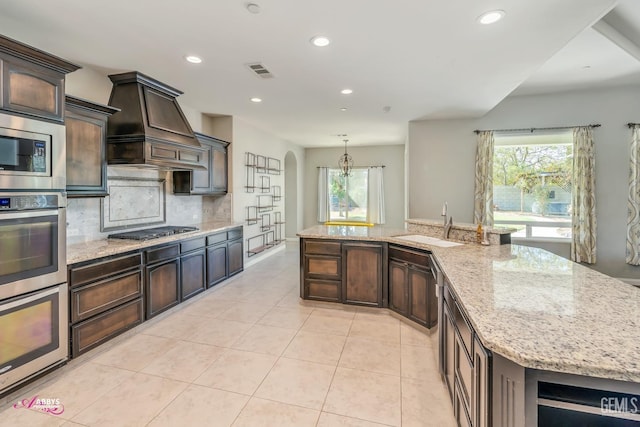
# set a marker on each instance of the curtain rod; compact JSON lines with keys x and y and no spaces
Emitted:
{"x":535,"y":129}
{"x":633,"y":124}
{"x":355,"y":167}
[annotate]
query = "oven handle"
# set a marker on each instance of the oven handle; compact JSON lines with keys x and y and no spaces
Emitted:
{"x":21,"y":301}
{"x":29,"y":214}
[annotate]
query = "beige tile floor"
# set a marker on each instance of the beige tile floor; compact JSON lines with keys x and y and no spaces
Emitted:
{"x":251,"y":353}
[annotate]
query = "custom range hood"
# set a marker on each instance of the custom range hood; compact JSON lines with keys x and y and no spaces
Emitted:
{"x":150,"y":130}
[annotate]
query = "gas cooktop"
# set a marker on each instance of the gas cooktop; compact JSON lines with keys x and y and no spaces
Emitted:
{"x":153,"y":233}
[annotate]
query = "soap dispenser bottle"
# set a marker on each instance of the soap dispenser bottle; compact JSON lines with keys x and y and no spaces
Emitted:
{"x":479,"y":234}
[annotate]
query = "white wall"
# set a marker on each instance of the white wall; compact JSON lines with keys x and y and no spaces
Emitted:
{"x":391,"y":156}
{"x":442,"y":159}
{"x":248,"y":138}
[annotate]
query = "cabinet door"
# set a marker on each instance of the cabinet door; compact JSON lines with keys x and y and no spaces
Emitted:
{"x":32,"y":90}
{"x":481,"y":391}
{"x":192,"y":273}
{"x":362,"y":273}
{"x":398,"y":287}
{"x":419,"y":298}
{"x":449,"y":337}
{"x":201,"y":179}
{"x":236,"y":257}
{"x":86,"y":151}
{"x":162,"y":286}
{"x":216,"y":264}
{"x":219,"y":168}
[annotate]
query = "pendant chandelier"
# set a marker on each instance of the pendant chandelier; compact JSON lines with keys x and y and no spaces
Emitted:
{"x":345,"y":162}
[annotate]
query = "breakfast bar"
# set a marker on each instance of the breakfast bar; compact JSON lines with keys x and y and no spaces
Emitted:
{"x":551,"y":330}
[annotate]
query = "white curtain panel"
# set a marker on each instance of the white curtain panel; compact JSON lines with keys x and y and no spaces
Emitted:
{"x":583,"y":203}
{"x":483,"y":203}
{"x":323,"y":195}
{"x":376,"y":195}
{"x":633,"y":201}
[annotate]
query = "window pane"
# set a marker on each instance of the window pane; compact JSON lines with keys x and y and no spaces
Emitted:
{"x":532,"y":189}
{"x":348,"y":196}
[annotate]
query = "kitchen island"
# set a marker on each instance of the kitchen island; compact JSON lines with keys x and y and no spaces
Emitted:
{"x":542,"y":319}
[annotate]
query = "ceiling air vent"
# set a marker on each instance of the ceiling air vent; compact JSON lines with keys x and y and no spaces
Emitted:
{"x":260,"y":70}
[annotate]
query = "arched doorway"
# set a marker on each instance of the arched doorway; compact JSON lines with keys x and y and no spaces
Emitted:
{"x":290,"y":195}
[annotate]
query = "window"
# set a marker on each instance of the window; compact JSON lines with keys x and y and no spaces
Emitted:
{"x":348,"y":195}
{"x":532,"y":185}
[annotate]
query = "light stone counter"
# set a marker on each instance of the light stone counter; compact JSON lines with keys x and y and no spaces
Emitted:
{"x":85,"y":251}
{"x":535,"y":308}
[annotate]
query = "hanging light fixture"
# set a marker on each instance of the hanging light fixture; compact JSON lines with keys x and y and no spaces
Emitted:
{"x":345,"y":162}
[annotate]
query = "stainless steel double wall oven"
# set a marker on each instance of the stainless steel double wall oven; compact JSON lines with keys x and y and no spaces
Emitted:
{"x":33,"y":289}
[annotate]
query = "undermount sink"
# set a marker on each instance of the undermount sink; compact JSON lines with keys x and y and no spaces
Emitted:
{"x":418,"y":238}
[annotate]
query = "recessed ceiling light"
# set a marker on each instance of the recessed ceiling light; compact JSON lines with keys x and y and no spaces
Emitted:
{"x":320,"y":41}
{"x":346,"y":91}
{"x":491,"y":17}
{"x":193,"y":59}
{"x":253,"y":8}
{"x":256,"y":99}
{"x":343,"y":109}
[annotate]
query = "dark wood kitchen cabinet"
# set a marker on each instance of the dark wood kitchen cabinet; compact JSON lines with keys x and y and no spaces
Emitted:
{"x":162,"y":278}
{"x":412,"y":285}
{"x":193,"y":267}
{"x":86,"y":126}
{"x":321,"y":269}
{"x":212,"y":181}
{"x":105,"y":299}
{"x":364,"y":272}
{"x":32,"y":82}
{"x":224,"y":255}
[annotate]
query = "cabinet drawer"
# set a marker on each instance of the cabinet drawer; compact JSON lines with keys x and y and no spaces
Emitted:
{"x":236,"y":233}
{"x":322,"y":247}
{"x":97,"y":297}
{"x":98,"y":270}
{"x":464,"y":330}
{"x":414,"y":257}
{"x":162,"y":253}
{"x":448,"y":297}
{"x":462,"y":414}
{"x":191,"y":245}
{"x":326,"y":290}
{"x":95,"y":331}
{"x":464,"y":370}
{"x":323,"y":266}
{"x":212,"y":239}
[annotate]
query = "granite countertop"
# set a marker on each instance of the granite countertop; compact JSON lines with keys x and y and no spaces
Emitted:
{"x":460,"y":226}
{"x":93,"y":249}
{"x":535,"y":308}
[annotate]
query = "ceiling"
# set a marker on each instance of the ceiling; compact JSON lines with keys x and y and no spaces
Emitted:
{"x":421,"y":59}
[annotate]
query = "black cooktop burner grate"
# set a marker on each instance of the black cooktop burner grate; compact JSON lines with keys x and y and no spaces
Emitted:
{"x":153,"y":233}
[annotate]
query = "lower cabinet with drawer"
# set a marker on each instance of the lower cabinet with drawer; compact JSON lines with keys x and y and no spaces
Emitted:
{"x":321,"y":270}
{"x":224,"y":255}
{"x":106,"y":299}
{"x":193,"y":267}
{"x":466,"y":365}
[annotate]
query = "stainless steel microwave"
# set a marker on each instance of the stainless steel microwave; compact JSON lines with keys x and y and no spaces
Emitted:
{"x":32,"y":154}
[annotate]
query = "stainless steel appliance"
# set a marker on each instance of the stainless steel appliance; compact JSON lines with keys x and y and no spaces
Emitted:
{"x":32,"y":154}
{"x":33,"y":291}
{"x":153,"y":233}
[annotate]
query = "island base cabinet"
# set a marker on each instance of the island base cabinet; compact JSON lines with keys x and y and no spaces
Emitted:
{"x":163,"y":282}
{"x":362,"y":280}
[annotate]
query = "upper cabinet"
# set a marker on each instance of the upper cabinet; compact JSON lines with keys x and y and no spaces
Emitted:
{"x":32,"y":82}
{"x":86,"y":124}
{"x":213,"y":180}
